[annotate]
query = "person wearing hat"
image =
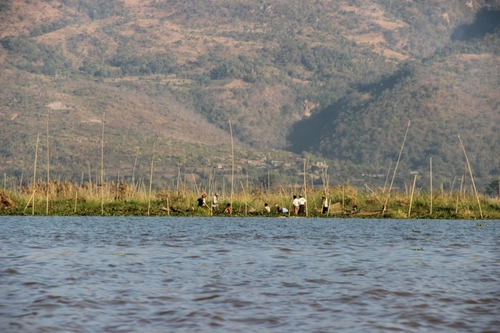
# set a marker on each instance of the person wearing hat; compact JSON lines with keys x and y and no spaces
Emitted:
{"x":202,"y":200}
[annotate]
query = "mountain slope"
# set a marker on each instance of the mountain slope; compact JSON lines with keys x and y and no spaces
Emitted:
{"x":450,"y":94}
{"x":179,"y":71}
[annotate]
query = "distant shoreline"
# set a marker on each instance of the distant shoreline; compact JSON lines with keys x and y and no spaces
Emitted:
{"x":67,"y":199}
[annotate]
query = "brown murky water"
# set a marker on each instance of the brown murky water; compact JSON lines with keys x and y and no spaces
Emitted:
{"x":61,"y":274}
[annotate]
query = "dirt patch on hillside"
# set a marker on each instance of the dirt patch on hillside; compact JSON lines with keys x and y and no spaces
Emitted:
{"x":236,"y":84}
{"x":391,"y":54}
{"x":369,"y":38}
{"x":374,"y":16}
{"x":468,"y":57}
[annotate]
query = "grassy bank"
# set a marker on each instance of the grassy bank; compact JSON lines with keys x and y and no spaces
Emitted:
{"x":122,"y":199}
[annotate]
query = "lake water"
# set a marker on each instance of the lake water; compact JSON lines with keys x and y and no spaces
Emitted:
{"x":125,"y":274}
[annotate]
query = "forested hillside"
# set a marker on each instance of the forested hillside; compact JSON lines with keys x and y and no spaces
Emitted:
{"x":333,"y":81}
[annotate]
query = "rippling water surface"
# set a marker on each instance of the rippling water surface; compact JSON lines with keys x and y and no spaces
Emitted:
{"x":92,"y":274}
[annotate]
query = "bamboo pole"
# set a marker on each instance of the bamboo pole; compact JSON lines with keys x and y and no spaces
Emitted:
{"x":387,"y":177}
{"x":102,"y":166}
{"x":232,"y":168}
{"x":90,"y":176}
{"x":305,"y":188}
{"x":462,"y":182}
{"x":452,"y":185}
{"x":76,"y":199}
{"x":133,"y":169}
{"x":343,"y":197}
{"x":411,"y":197}
{"x":48,"y":164}
{"x":430,"y":179}
{"x":34,"y":173}
{"x":151,"y":179}
{"x":397,"y":164}
{"x":244,"y":198}
{"x":31,"y":197}
{"x":471,"y":177}
{"x":22,"y":175}
{"x":197,"y":190}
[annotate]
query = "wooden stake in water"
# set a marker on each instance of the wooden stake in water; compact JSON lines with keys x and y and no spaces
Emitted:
{"x":387,"y":177}
{"x":305,"y":188}
{"x":34,"y":173}
{"x":343,"y":197}
{"x":397,"y":164}
{"x":471,"y":177}
{"x":76,"y":199}
{"x":151,"y":179}
{"x":232,"y":168}
{"x":48,"y":164}
{"x":102,"y":166}
{"x":430,"y":176}
{"x":133,"y":169}
{"x":412,"y":191}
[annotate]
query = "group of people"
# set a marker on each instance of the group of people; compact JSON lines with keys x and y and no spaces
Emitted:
{"x":298,"y":203}
{"x":281,"y":210}
{"x":299,"y":206}
{"x":202,"y":202}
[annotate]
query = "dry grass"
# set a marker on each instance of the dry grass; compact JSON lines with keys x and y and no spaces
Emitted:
{"x":246,"y":201}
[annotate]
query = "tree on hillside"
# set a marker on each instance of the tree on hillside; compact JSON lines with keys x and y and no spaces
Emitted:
{"x":493,"y":188}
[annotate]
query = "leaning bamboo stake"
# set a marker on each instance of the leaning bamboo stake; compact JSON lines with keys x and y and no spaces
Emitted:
{"x":397,"y":164}
{"x":102,"y":166}
{"x":232,"y":168}
{"x":48,"y":165}
{"x":22,"y":175}
{"x":133,"y":169}
{"x":151,"y":179}
{"x":387,"y":177}
{"x":34,"y":173}
{"x":32,"y":197}
{"x":430,"y":179}
{"x":195,"y":185}
{"x":471,"y":177}
{"x":411,"y":196}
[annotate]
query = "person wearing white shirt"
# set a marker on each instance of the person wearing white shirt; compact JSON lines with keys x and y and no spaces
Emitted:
{"x":295,"y":204}
{"x":302,"y":205}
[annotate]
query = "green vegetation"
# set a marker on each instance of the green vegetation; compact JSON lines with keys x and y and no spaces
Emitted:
{"x":123,"y":199}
